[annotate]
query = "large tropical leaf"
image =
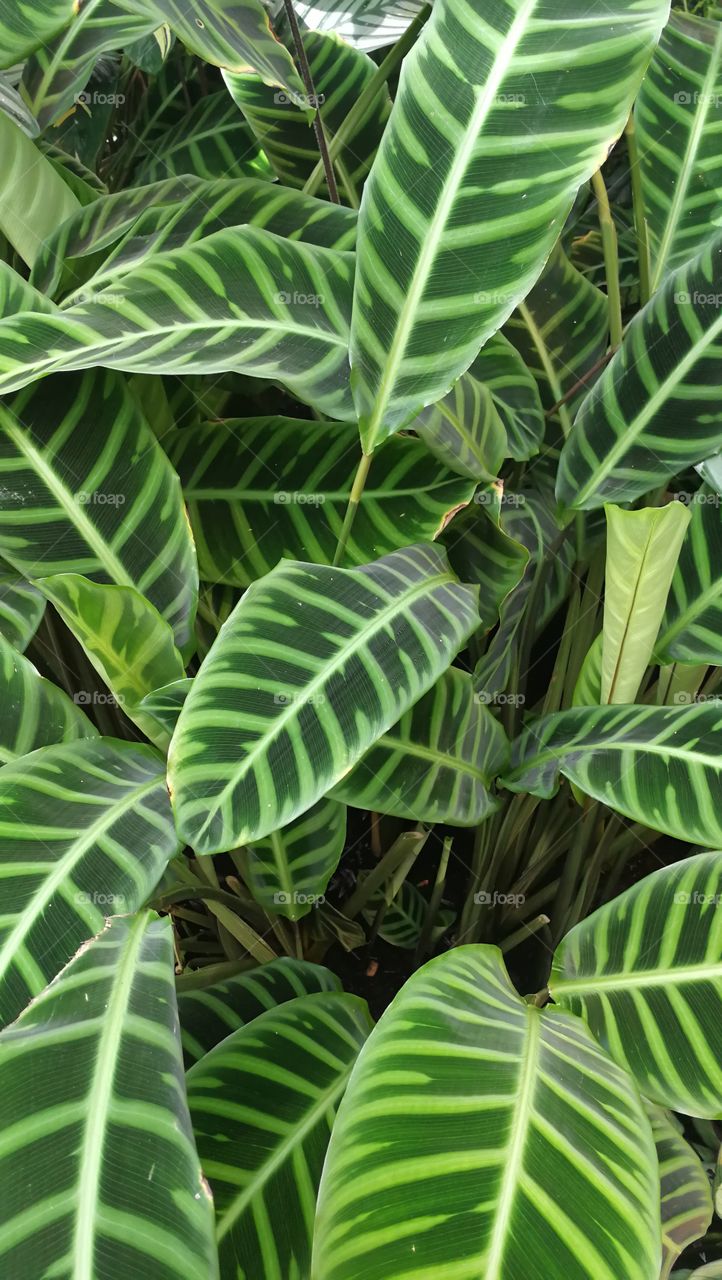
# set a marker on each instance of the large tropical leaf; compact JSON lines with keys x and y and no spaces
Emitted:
{"x":365,"y":24}
{"x":678,"y":119}
{"x":211,"y":141}
{"x":24,"y":27}
{"x":692,"y":625}
{"x":437,"y":764}
{"x":659,"y":765}
{"x":259,"y":489}
{"x":686,"y":1199}
{"x":262,"y":1104}
{"x":87,"y":1072}
{"x":311,"y":668}
{"x":102,"y":503}
{"x":34,"y":197}
{"x":85,"y":832}
{"x":210,"y":1014}
{"x":626,"y":438}
{"x":479,"y":1133}
{"x":448,"y":248}
{"x":241,"y":299}
{"x":288,"y":870}
{"x":35,"y":713}
{"x":645,"y":972}
{"x":464,"y":430}
{"x":21,"y":608}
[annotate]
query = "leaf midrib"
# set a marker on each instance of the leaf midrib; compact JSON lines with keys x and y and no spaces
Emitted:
{"x":629,"y":982}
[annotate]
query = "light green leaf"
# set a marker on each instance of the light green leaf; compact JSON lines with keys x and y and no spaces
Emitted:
{"x":288,"y":870}
{"x":308,"y":647}
{"x":588,"y":689}
{"x":642,"y":551}
{"x":470,"y":1108}
{"x":34,"y":197}
{"x":21,"y":608}
{"x":24,"y":27}
{"x":87,"y":1071}
{"x":34,"y":712}
{"x":645,"y":973}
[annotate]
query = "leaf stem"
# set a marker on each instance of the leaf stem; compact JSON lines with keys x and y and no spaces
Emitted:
{"x":611,"y":259}
{"x":306,"y":76}
{"x":640,"y":218}
{"x":353,"y":504}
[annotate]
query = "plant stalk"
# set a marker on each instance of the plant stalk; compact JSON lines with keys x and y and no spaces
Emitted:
{"x":641,"y":229}
{"x":306,"y":76}
{"x":356,"y":494}
{"x":611,"y":260}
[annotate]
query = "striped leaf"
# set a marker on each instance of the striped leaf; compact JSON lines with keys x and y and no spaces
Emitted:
{"x":692,"y":624}
{"x":588,"y":689}
{"x":259,"y":489}
{"x":645,"y":973}
{"x":25,"y":27}
{"x":17,"y":295}
{"x":479,"y":1132}
{"x":14,"y":106}
{"x":686,"y":1199}
{"x":311,"y":668}
{"x":339,"y":73}
{"x":464,"y":431}
{"x":437,"y":764}
{"x":288,"y":870}
{"x":515,"y":394}
{"x":282,"y":311}
{"x":482,"y":553}
{"x":642,"y":551}
{"x":678,"y":118}
{"x":34,"y":712}
{"x":262,"y":1104}
{"x":210,"y":1014}
{"x":401,"y":921}
{"x":163,"y":705}
{"x":365,"y":24}
{"x":86,"y":1074}
{"x":626,"y":438}
{"x":21,"y":608}
{"x":105,"y":504}
{"x":211,"y":141}
{"x":661,"y":766}
{"x":447,"y":250}
{"x":34,"y":197}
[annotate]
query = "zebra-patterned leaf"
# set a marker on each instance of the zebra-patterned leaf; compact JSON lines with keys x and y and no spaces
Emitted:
{"x":259,"y":489}
{"x":21,"y":608}
{"x":464,"y":430}
{"x":34,"y":197}
{"x":678,"y":119}
{"x":365,"y":24}
{"x":515,"y":394}
{"x":14,"y":106}
{"x":437,"y":764}
{"x":658,"y":765}
{"x":479,"y":1133}
{"x":35,"y":713}
{"x":401,"y":921}
{"x":448,"y":243}
{"x":24,"y":27}
{"x":626,"y":437}
{"x":211,"y":141}
{"x":210,"y":1014}
{"x":163,"y":705}
{"x":314,"y":664}
{"x":481,"y":552}
{"x":242,"y":300}
{"x":262,"y":1105}
{"x":106,"y":504}
{"x":686,"y":1198}
{"x":17,"y":295}
{"x":645,"y":973}
{"x":288,"y":870}
{"x":692,"y":625}
{"x":86,"y":1073}
{"x":85,"y":832}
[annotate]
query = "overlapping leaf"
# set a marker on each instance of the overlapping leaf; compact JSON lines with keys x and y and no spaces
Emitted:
{"x":464,"y":430}
{"x":686,"y":1199}
{"x":691,"y":629}
{"x":35,"y":713}
{"x":365,"y":24}
{"x":24,"y":27}
{"x":21,"y":608}
{"x":211,"y":141}
{"x":515,"y":394}
{"x":34,"y":197}
{"x":288,"y":870}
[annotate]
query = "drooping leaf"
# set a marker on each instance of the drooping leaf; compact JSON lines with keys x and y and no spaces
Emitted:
{"x":85,"y":832}
{"x":85,"y":1073}
{"x":437,"y":764}
{"x":35,"y":713}
{"x":262,"y":1104}
{"x":211,"y":141}
{"x":626,"y":437}
{"x":21,"y":608}
{"x":448,"y":244}
{"x":288,"y":870}
{"x":692,"y":625}
{"x":210,"y":1014}
{"x":16,"y":295}
{"x":658,"y":765}
{"x":481,"y":552}
{"x":464,"y":430}
{"x":645,"y":973}
{"x":305,"y":649}
{"x":642,"y":551}
{"x":686,"y":1199}
{"x":34,"y":197}
{"x":507,"y":1097}
{"x":259,"y":489}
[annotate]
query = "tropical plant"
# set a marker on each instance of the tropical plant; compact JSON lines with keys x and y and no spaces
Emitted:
{"x":360,"y":640}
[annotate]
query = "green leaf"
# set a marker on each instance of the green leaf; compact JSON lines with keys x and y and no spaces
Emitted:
{"x":34,"y":712}
{"x":210,"y":1014}
{"x":34,"y":198}
{"x":642,"y":551}
{"x":365,"y":24}
{"x":16,"y":295}
{"x":686,"y":1199}
{"x":437,"y":764}
{"x":692,"y":625}
{"x":626,"y":437}
{"x":25,"y":27}
{"x":448,"y":244}
{"x":588,"y":689}
{"x":259,"y":489}
{"x":402,"y":920}
{"x":85,"y":832}
{"x":125,"y":638}
{"x":103,"y":503}
{"x":482,"y":553}
{"x":163,"y":704}
{"x":479,"y":1132}
{"x":282,"y":312}
{"x":678,"y":115}
{"x":85,"y":1074}
{"x":661,"y":766}
{"x":288,"y":870}
{"x":21,"y":608}
{"x":262,"y":1104}
{"x":464,"y":430}
{"x":515,"y":394}
{"x":645,"y":973}
{"x":311,"y":668}
{"x":211,"y":141}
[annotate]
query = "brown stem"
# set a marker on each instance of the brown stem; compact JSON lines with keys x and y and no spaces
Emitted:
{"x":312,"y":100}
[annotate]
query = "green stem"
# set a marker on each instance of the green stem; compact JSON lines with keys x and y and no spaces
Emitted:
{"x":367,"y":97}
{"x":611,"y":259}
{"x":520,"y":935}
{"x":640,"y":218}
{"x":357,"y":489}
{"x":437,"y":894}
{"x":411,"y":842}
